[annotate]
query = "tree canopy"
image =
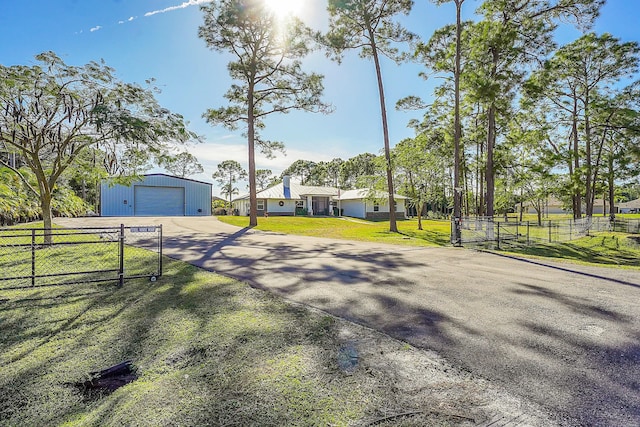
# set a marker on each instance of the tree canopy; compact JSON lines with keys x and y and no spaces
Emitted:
{"x":267,"y":68}
{"x":52,"y":112}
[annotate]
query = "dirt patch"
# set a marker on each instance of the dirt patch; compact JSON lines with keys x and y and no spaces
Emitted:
{"x":107,"y":380}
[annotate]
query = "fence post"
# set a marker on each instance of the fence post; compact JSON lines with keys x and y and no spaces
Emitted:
{"x":498,"y":227}
{"x":570,"y":230}
{"x":549,"y":231}
{"x":33,"y":257}
{"x":528,"y":238}
{"x":160,"y":252}
{"x":121,"y":256}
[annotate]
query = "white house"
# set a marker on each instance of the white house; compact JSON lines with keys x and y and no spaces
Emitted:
{"x":632,"y":206}
{"x":371,"y":205}
{"x":288,"y":199}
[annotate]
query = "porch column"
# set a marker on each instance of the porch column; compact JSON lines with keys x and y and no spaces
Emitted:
{"x":310,"y":205}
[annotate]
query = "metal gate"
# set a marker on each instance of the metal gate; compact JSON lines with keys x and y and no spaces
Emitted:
{"x":31,"y":257}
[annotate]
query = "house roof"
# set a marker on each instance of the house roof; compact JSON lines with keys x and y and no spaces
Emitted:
{"x":177,"y":177}
{"x":631,"y":204}
{"x":296,"y":192}
{"x":365,"y":193}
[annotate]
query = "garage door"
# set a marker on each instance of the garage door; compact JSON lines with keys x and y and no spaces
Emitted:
{"x":158,"y":201}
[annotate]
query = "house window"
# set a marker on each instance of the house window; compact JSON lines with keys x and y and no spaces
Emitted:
{"x":376,"y":207}
{"x":260,"y":205}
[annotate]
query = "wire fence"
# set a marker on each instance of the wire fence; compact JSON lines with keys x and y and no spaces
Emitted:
{"x":484,"y":231}
{"x":31,"y":257}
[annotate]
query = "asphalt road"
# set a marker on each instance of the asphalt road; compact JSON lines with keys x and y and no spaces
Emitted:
{"x":564,"y":336}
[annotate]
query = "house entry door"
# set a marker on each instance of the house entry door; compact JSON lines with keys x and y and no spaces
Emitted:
{"x":320,"y":205}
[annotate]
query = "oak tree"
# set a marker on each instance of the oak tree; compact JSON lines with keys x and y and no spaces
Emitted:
{"x":51,"y":112}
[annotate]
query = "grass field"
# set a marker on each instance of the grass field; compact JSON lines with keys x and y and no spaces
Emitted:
{"x":434,"y":233}
{"x":604,"y":249}
{"x":208,"y":351}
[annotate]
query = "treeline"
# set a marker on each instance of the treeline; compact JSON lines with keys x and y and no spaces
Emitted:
{"x":535,"y":119}
{"x":19,"y":204}
{"x":517,"y":119}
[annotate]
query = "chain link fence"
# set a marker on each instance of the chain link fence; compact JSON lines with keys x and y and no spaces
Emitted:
{"x":488,"y":232}
{"x":31,"y":257}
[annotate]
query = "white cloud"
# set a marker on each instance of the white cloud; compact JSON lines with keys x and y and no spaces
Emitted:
{"x":128,"y":20}
{"x":210,"y":154}
{"x":96,"y":28}
{"x":180,"y":6}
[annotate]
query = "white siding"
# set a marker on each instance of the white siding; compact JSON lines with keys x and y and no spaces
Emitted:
{"x":384,"y":207}
{"x":354,"y":208}
{"x":289,"y":206}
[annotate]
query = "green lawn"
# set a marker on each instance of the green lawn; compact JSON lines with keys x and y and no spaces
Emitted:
{"x":79,"y":252}
{"x":608,"y":249}
{"x":434,"y":233}
{"x":602,"y":249}
{"x":208,"y":351}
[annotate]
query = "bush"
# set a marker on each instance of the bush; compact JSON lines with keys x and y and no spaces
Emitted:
{"x":219,"y":211}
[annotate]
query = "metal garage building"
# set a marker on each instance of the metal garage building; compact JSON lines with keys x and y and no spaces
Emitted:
{"x":156,"y":195}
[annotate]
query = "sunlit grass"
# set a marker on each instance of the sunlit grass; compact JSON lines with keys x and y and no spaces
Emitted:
{"x":617,"y":249}
{"x":434,"y":233}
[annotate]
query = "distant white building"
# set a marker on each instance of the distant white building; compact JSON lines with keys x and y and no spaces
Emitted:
{"x":632,"y":206}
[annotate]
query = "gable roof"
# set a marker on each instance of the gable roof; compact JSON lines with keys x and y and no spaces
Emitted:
{"x":296,"y":192}
{"x":631,"y":204}
{"x":365,"y":193}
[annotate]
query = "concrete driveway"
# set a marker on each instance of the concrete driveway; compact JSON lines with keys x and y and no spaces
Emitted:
{"x":564,"y":336}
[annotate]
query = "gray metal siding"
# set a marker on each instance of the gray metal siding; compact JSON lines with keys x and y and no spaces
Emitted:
{"x":116,"y":200}
{"x":197,"y":196}
{"x":158,"y":201}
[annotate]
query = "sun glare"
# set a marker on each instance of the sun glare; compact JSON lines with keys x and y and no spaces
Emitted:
{"x":284,"y":8}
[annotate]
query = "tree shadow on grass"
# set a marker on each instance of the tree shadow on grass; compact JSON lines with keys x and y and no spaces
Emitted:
{"x":207,"y":349}
{"x":602,"y":250}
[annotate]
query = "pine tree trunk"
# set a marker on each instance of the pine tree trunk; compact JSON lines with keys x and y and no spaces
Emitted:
{"x":489,"y":172}
{"x":457,"y":191}
{"x":577,"y":200}
{"x":253,"y":201}
{"x":393,"y":227}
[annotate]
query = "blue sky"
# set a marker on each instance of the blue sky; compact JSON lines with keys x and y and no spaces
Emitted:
{"x":158,"y":38}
